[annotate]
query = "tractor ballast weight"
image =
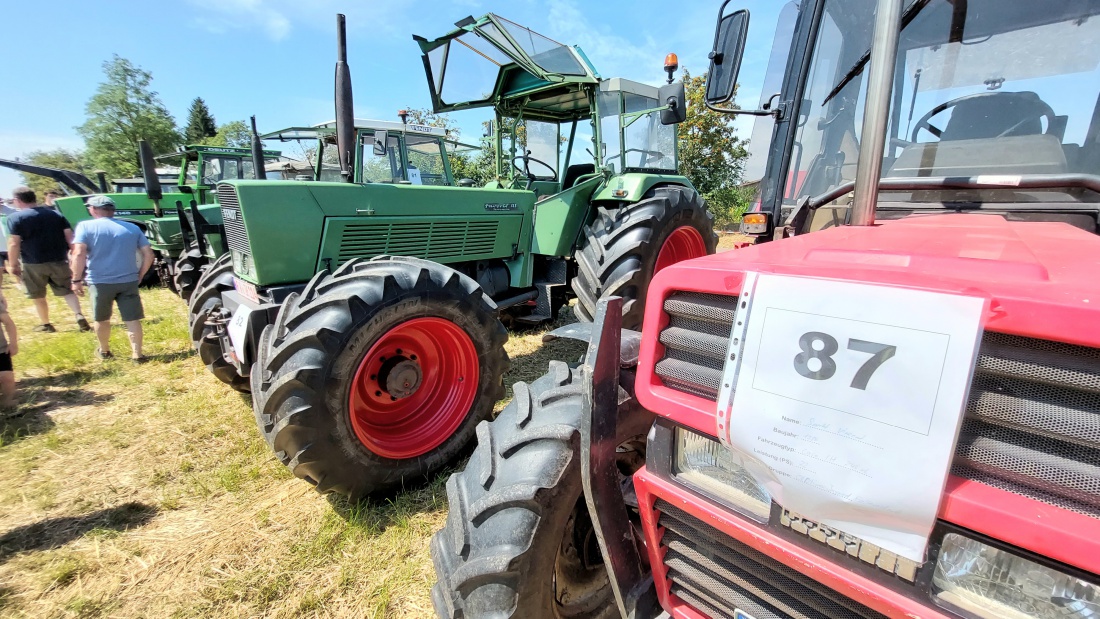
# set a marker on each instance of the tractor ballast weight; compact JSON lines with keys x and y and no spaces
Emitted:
{"x":515,"y":250}
{"x":537,"y":529}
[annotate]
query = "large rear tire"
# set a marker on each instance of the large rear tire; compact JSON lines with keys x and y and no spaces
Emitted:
{"x":188,"y":270}
{"x":625,"y":247}
{"x":207,"y":298}
{"x":378,"y":374}
{"x":518,"y":540}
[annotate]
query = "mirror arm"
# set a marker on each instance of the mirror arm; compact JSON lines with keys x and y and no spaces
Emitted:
{"x":777,"y":112}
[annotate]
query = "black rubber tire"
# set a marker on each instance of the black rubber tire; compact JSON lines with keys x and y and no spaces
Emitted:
{"x":206,"y":298}
{"x":619,"y":252}
{"x":188,"y":270}
{"x":510,"y":508}
{"x":307,"y":359}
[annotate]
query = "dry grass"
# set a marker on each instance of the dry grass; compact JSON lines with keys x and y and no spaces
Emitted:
{"x":145,"y":491}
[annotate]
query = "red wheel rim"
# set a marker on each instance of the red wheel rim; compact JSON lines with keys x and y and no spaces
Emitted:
{"x":413,"y":388}
{"x":684,"y":243}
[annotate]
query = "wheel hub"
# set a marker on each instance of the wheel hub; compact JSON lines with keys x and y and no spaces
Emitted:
{"x":400,"y":377}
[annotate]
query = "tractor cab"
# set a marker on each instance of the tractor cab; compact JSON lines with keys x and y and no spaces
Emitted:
{"x":993,"y":110}
{"x":203,"y":167}
{"x":557,"y":124}
{"x":412,"y":154}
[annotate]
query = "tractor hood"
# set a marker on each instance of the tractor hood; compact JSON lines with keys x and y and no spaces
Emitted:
{"x":491,"y":59}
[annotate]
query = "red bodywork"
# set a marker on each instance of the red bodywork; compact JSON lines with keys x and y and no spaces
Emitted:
{"x":1042,"y":282}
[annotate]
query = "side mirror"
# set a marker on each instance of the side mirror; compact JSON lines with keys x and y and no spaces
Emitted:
{"x":149,"y":171}
{"x":673,"y":96}
{"x":380,"y":140}
{"x":725,"y":59}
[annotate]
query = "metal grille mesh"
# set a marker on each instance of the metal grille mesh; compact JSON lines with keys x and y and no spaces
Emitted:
{"x":441,"y":241}
{"x":236,"y":237}
{"x":1032,"y":420}
{"x":718,"y":575}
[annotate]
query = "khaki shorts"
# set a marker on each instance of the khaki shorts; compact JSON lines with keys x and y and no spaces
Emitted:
{"x":55,"y":274}
{"x":125,"y":295}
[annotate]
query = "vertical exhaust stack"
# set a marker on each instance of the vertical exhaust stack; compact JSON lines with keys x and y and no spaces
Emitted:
{"x":880,"y":78}
{"x":258,"y":153}
{"x":149,"y":174}
{"x":345,"y":111}
{"x":101,"y":176}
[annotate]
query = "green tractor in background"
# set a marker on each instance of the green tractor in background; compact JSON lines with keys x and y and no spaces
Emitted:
{"x":185,"y":239}
{"x":380,"y":367}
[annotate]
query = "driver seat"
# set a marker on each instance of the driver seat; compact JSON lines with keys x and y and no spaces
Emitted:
{"x":1010,"y":113}
{"x":575,"y":171}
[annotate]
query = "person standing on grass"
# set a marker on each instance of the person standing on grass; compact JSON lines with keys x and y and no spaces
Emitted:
{"x":39,"y":238}
{"x":109,"y":249}
{"x":9,"y":347}
{"x":51,"y":198}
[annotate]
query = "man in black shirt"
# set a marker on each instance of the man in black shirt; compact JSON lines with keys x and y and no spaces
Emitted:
{"x":40,"y":237}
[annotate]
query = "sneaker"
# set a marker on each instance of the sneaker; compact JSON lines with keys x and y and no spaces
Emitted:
{"x":46,"y":328}
{"x":82,"y":322}
{"x":103,"y":355}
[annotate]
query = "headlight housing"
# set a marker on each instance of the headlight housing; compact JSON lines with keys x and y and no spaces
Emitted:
{"x":706,"y":464}
{"x":993,"y":583}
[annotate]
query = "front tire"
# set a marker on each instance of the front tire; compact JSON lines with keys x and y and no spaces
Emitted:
{"x":625,"y":247}
{"x":518,"y":540}
{"x":378,"y":374}
{"x":207,"y":298}
{"x":189,"y":269}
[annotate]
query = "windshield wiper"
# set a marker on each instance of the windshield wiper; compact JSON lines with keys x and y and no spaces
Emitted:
{"x":907,"y":17}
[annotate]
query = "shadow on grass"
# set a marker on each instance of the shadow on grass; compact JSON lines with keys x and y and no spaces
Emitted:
{"x":56,"y":532}
{"x":396,"y":506}
{"x":72,"y":378}
{"x":26,"y":422}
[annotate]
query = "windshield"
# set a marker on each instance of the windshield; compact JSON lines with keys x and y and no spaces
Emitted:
{"x":981,"y":89}
{"x":217,"y":168}
{"x":426,"y":165}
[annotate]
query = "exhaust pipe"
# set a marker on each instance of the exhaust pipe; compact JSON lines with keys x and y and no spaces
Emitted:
{"x":876,"y":115}
{"x":257,"y":153}
{"x":101,"y":176}
{"x":149,"y":173}
{"x":345,"y":112}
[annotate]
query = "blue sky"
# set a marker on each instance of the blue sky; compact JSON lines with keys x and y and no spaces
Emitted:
{"x":275,"y":58}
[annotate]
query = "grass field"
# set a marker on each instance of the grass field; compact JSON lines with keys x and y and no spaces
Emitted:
{"x":146,"y":491}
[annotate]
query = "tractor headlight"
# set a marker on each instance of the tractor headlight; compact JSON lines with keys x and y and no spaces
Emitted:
{"x":988,"y":582}
{"x":706,"y":464}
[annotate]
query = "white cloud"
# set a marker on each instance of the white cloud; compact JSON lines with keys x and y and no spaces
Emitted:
{"x":230,"y":14}
{"x":276,"y":18}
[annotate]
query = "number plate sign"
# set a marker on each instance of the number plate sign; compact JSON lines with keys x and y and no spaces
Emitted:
{"x":238,"y":329}
{"x":846,"y":399}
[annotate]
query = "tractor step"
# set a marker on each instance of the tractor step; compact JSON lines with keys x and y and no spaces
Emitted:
{"x":533,"y":319}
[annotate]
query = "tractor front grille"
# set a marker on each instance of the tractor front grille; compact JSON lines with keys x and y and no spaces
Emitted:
{"x":439,"y":241}
{"x":718,"y":575}
{"x":1032,"y":423}
{"x":236,"y":237}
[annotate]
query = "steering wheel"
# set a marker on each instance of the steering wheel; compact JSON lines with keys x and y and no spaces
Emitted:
{"x":1037,"y":105}
{"x":526,"y":169}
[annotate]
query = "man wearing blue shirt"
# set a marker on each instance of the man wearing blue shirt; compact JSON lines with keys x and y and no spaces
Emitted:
{"x":109,"y":249}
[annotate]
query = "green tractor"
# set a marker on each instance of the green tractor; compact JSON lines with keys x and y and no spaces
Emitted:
{"x":183,"y":239}
{"x":380,"y":367}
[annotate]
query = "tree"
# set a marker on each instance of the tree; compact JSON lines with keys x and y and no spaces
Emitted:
{"x":235,"y":133}
{"x":711,"y":154}
{"x":60,"y":158}
{"x":200,"y":124}
{"x":123,"y":111}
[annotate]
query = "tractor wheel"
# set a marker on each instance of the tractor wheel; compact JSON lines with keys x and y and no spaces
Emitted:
{"x":189,"y":268}
{"x":378,"y":374}
{"x":519,"y":541}
{"x":623,"y":248}
{"x":207,"y":297}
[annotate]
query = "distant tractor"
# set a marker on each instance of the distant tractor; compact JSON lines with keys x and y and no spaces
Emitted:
{"x":935,"y":151}
{"x":379,"y":368}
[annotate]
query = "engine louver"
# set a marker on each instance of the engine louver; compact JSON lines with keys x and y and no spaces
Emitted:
{"x":1032,"y":423}
{"x":441,"y":241}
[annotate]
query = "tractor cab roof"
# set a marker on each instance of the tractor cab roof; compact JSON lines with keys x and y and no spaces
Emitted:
{"x":416,"y":136}
{"x":192,"y":151}
{"x":492,"y":61}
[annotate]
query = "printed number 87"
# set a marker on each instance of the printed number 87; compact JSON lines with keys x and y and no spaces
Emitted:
{"x":827,"y":367}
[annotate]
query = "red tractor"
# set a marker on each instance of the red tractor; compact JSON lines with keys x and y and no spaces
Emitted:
{"x":939,"y":150}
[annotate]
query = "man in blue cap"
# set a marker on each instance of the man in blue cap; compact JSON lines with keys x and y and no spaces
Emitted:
{"x":116,"y":256}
